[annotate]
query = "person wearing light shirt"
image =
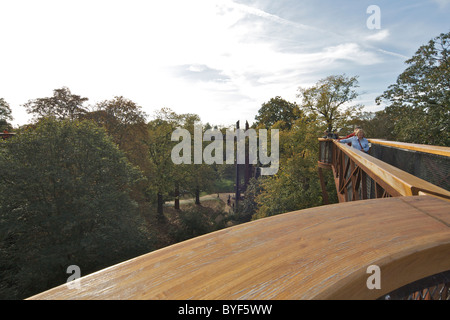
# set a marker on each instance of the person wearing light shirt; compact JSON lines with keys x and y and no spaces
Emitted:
{"x":358,"y":141}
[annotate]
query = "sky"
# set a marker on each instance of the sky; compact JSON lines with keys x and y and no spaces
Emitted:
{"x":220,"y":59}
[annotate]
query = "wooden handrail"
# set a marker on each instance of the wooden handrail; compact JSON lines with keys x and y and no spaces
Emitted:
{"x":403,"y":183}
{"x":318,"y":253}
{"x":438,"y":150}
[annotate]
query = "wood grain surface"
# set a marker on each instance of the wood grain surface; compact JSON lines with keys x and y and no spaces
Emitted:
{"x":439,"y":150}
{"x":317,"y":253}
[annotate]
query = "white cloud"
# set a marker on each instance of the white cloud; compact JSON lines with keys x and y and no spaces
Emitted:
{"x":269,"y":16}
{"x":398,"y":55}
{"x":379,"y":36}
{"x":442,"y":3}
{"x":233,"y":56}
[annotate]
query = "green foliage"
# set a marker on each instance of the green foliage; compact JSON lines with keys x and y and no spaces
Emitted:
{"x":330,"y":100}
{"x":164,"y":174}
{"x":377,"y":125}
{"x":125,"y":122}
{"x":64,"y":199}
{"x":223,"y":185}
{"x":5,"y":115}
{"x":296,"y":185}
{"x":121,"y":112}
{"x":62,"y":105}
{"x":162,"y":169}
{"x":5,"y":110}
{"x":277,"y":110}
{"x":122,"y":118}
{"x":420,"y":100}
{"x":197,"y":220}
{"x":249,"y":205}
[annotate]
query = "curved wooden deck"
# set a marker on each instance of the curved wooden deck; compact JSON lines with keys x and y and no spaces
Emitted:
{"x":317,"y":253}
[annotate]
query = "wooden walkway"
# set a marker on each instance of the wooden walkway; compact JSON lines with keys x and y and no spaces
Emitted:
{"x":317,"y":253}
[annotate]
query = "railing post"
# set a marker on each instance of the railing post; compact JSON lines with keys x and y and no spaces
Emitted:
{"x":326,"y":155}
{"x":364,"y":185}
{"x":326,"y":151}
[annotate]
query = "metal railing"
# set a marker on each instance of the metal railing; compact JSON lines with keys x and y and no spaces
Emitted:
{"x":430,"y":163}
{"x":435,"y":287}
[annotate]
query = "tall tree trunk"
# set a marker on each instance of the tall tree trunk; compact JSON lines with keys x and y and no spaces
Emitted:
{"x":197,"y":195}
{"x":238,"y":194}
{"x":177,"y":197}
{"x":247,"y":160}
{"x":160,"y":205}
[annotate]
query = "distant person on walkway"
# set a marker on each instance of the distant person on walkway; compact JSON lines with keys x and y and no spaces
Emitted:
{"x":330,"y":135}
{"x":358,"y":141}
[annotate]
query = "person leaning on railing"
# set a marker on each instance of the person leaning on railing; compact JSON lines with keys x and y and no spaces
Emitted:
{"x":358,"y":141}
{"x":351,"y":134}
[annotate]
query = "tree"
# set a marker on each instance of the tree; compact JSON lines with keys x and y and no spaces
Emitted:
{"x":166,"y":176}
{"x":377,"y":125}
{"x":277,"y":110}
{"x":420,"y":99}
{"x":125,"y":122}
{"x":64,"y":200}
{"x":330,"y":99}
{"x":63,"y":105}
{"x":5,"y":115}
{"x":159,"y":146}
{"x":118,"y":116}
{"x":249,"y":204}
{"x":296,"y":185}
